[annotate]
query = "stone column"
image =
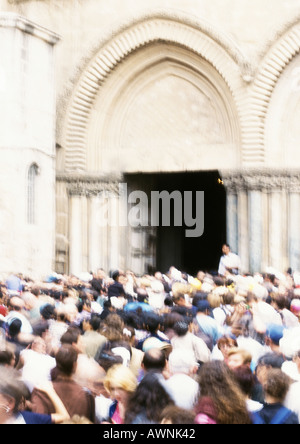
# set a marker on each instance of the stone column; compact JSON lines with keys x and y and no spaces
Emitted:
{"x":232,"y":220}
{"x":94,"y":234}
{"x":243,"y":231}
{"x":93,"y":223}
{"x":255,"y":230}
{"x":276,"y":229}
{"x":294,"y":228}
{"x":268,"y":217}
{"x":75,"y":254}
{"x":113,"y":232}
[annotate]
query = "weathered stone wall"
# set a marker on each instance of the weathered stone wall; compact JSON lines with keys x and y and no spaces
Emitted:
{"x":27,"y":115}
{"x":173,"y":86}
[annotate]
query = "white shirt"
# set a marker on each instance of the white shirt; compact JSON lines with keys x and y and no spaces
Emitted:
{"x":37,"y":368}
{"x":26,"y":326}
{"x":183,"y":389}
{"x":230,"y":260}
{"x":191,"y":342}
{"x":292,"y":400}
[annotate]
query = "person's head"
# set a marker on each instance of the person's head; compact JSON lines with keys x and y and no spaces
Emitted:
{"x":181,"y":328}
{"x":47,"y":311}
{"x":176,"y":415}
{"x":217,"y":382}
{"x":152,"y":322}
{"x":7,"y":358}
{"x":149,"y":398}
{"x":295,"y":307}
{"x":77,"y":420}
{"x":16,"y":303}
{"x":112,"y":328}
{"x":12,"y":392}
{"x":66,"y":360}
{"x":245,"y":379}
{"x":73,"y":337}
{"x":123,"y":349}
{"x":39,"y":345}
{"x":225,"y":344}
{"x":273,"y":335}
{"x":225,"y":249}
{"x":279,"y":301}
{"x":237,"y":357}
{"x":92,"y":324}
{"x":266,"y":363}
{"x":182,"y":361}
{"x":169,"y":321}
{"x":179,"y":300}
{"x":108,"y":359}
{"x":120,"y":383}
{"x":203,"y":307}
{"x":14,"y":327}
{"x":154,"y":360}
{"x":116,"y":276}
{"x":276,"y":386}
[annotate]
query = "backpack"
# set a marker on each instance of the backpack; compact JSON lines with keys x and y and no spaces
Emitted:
{"x":279,"y":418}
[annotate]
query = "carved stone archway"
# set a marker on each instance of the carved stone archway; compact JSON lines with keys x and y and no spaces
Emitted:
{"x":199,"y":39}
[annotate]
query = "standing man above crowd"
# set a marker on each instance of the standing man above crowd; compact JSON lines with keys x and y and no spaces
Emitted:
{"x":230,"y":263}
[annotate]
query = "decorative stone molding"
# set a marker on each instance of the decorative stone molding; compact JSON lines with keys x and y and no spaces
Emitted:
{"x":198,"y":38}
{"x":273,"y":64}
{"x":85,"y":185}
{"x":202,"y":39}
{"x":12,"y":20}
{"x":262,"y":180}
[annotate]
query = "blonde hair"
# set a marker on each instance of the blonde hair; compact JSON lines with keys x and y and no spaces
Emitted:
{"x":246,"y":355}
{"x":76,"y":419}
{"x":122,"y":377}
{"x":179,"y":289}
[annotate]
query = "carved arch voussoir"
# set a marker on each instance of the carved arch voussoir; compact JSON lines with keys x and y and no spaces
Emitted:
{"x":200,"y":39}
{"x":273,"y":64}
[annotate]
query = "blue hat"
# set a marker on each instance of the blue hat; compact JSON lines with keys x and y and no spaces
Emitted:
{"x":203,"y":305}
{"x":275,"y":332}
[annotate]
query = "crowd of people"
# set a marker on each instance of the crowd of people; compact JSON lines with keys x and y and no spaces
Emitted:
{"x":116,"y":348}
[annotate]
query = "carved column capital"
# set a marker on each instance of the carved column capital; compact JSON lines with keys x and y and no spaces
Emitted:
{"x":262,"y":180}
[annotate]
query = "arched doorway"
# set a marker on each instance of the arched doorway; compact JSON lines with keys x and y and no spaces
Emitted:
{"x":165,"y":106}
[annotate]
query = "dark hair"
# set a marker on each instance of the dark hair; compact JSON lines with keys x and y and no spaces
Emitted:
{"x":274,"y":360}
{"x":178,"y":415}
{"x":6,"y":357}
{"x":94,"y":322}
{"x":245,"y":378}
{"x":107,"y":359}
{"x":115,"y":275}
{"x":154,"y":359}
{"x":277,"y":384}
{"x":168,"y":301}
{"x":47,"y":311}
{"x":14,"y":327}
{"x":71,"y":336}
{"x":66,"y":357}
{"x":152,"y":322}
{"x":181,"y":328}
{"x":149,"y":398}
{"x":170,"y":319}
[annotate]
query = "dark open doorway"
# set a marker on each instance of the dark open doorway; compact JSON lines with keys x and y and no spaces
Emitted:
{"x":173,"y":247}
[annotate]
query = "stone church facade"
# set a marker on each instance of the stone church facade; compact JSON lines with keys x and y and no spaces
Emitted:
{"x":96,"y":92}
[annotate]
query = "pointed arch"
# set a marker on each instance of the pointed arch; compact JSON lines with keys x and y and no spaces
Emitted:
{"x":198,"y":38}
